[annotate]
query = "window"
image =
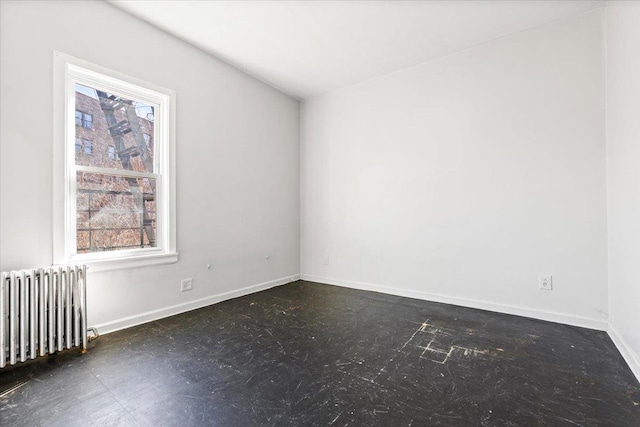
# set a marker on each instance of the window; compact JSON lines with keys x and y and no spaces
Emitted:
{"x":118,"y":208}
{"x":83,"y":146}
{"x":84,"y":120}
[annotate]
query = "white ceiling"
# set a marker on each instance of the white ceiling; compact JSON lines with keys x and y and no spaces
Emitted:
{"x":307,"y":48}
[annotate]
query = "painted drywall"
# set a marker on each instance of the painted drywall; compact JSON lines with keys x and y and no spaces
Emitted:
{"x":463,"y":179}
{"x":623,"y":156}
{"x":237,"y":159}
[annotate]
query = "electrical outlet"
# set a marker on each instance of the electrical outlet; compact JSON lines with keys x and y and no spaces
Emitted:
{"x":545,"y":282}
{"x":186,"y":285}
{"x":326,"y":260}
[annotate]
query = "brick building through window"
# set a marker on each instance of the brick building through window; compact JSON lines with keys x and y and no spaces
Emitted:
{"x":113,"y":212}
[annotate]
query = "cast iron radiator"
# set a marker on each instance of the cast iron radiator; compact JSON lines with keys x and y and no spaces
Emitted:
{"x":42,"y":311}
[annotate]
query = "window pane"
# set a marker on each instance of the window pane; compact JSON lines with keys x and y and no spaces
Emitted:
{"x":110,"y":120}
{"x":114,"y":213}
{"x":87,"y":120}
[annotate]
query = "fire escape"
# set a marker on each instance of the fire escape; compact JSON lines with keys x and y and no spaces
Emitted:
{"x":118,"y":129}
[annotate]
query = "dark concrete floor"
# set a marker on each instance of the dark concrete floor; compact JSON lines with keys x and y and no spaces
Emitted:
{"x":308,"y":354}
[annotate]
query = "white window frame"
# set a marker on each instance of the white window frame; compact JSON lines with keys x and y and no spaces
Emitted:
{"x":67,"y":72}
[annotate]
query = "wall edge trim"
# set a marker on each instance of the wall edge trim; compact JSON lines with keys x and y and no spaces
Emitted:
{"x":149,"y":316}
{"x":632,"y":359}
{"x":568,"y":319}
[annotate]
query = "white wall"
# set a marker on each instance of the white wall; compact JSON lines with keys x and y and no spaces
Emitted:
{"x":458,"y":180}
{"x":623,"y":155}
{"x":464,"y":178}
{"x":237,"y":158}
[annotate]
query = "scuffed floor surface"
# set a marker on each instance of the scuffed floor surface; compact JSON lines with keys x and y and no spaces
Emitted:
{"x":306,"y":354}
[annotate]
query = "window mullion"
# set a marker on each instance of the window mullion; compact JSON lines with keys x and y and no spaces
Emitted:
{"x":116,"y":172}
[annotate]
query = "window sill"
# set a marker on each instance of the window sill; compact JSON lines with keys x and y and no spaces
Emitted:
{"x":126,"y":262}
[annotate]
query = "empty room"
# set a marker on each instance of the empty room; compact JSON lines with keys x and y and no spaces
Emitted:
{"x":319,"y":213}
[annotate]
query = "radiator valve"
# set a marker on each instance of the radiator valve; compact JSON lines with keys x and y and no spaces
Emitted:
{"x":95,"y":335}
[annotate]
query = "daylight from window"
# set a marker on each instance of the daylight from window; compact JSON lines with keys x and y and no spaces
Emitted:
{"x":114,"y":211}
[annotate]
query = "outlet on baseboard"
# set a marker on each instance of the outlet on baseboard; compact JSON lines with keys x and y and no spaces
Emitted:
{"x":326,"y":260}
{"x":545,"y":282}
{"x":186,"y":285}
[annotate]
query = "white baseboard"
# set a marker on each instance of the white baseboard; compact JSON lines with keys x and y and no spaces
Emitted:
{"x":584,"y":322}
{"x":127,"y":322}
{"x":628,"y":354}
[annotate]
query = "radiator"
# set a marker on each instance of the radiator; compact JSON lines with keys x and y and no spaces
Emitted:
{"x":42,"y":311}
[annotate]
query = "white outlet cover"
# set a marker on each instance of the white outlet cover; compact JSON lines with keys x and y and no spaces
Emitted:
{"x":545,"y":281}
{"x":186,"y":285}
